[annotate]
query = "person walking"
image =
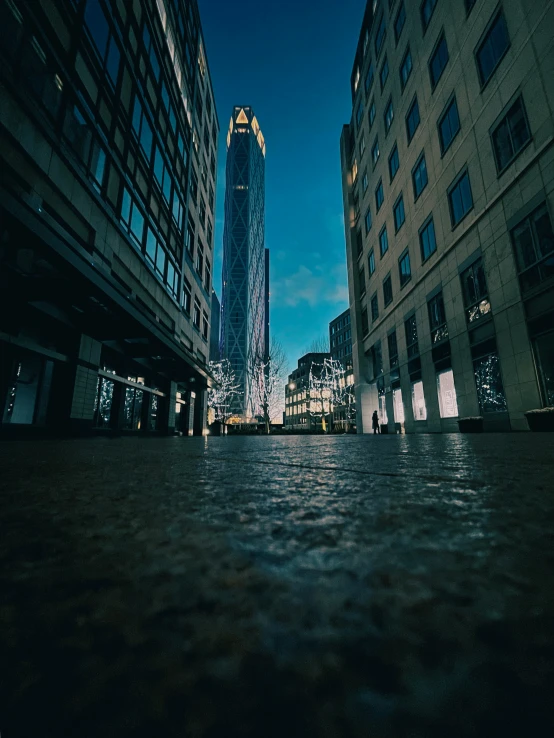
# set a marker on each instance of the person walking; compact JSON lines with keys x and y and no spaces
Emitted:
{"x":375,"y":421}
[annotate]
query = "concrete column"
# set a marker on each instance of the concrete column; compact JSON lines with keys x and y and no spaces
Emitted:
{"x":367,"y":401}
{"x":200,"y":412}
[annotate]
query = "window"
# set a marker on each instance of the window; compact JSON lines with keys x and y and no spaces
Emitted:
{"x":367,"y":221}
{"x":359,"y":243}
{"x":393,"y":349}
{"x":371,"y":262}
{"x":205,"y":324}
{"x":446,"y":391}
{"x":365,"y":322}
{"x":379,"y":195}
{"x":370,"y":76}
{"x":172,"y":280}
{"x":361,"y":282}
{"x":533,"y":242}
{"x":380,"y":35}
{"x":384,"y":73}
{"x":371,"y":113}
{"x":362,"y":145}
{"x":398,"y":406}
{"x":418,"y":401}
{"x":375,"y":152}
{"x":387,"y":290}
{"x":419,"y":176}
{"x":383,"y":241}
{"x":427,"y":240}
{"x":488,"y":379}
{"x":492,"y":48}
{"x":399,"y":214}
{"x":406,"y":68}
{"x":460,"y":198}
{"x":449,"y":125}
{"x":410,"y":326}
{"x":426,"y":9}
{"x":437,"y":319}
{"x":374,"y":308}
{"x":438,"y":61}
{"x":207,"y":276}
{"x":200,"y":260}
{"x":377,"y":359}
{"x":412,"y":119}
{"x":394,"y":162}
{"x":197,"y":313}
{"x":510,"y":136}
{"x":389,"y":115}
{"x":97,"y":25}
{"x":475,"y":292}
{"x":359,"y":115}
{"x":404,"y":268}
{"x":365,"y":182}
{"x":399,"y":22}
{"x":142,"y":129}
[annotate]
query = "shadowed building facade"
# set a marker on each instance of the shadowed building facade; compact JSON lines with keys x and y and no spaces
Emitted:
{"x":108,"y":145}
{"x":448,"y":183}
{"x":245,"y":297}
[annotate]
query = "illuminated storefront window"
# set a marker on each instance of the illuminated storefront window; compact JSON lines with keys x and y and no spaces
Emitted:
{"x":418,"y":401}
{"x":448,"y":404}
{"x":398,"y":406}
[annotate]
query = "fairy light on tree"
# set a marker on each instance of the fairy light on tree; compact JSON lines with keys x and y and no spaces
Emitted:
{"x":225,"y":389}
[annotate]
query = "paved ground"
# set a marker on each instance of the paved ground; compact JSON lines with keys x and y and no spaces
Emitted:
{"x":340,"y":587}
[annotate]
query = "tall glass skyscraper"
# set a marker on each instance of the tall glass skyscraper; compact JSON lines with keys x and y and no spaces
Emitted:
{"x":244,"y":323}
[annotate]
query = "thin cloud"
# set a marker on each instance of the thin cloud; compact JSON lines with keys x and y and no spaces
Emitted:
{"x":313,"y":286}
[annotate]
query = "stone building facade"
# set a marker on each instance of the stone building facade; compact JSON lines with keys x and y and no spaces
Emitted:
{"x":300,"y":414}
{"x":448,"y":182}
{"x":108,"y":159}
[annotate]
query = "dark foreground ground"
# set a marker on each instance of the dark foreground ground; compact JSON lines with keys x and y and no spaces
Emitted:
{"x":333,"y":587}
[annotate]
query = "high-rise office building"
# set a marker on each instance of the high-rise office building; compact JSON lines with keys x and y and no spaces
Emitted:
{"x":215,"y":328}
{"x":108,"y":136}
{"x":448,"y":181}
{"x":244,"y":328}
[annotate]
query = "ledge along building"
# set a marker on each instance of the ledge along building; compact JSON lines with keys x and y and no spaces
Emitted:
{"x":108,"y":136}
{"x":448,"y":183}
{"x":245,"y":299}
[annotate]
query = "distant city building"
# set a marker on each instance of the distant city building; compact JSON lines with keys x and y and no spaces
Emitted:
{"x":215,"y":328}
{"x":448,"y":188}
{"x":108,"y":159}
{"x":299,"y":415}
{"x":244,"y":322}
{"x":340,"y":338}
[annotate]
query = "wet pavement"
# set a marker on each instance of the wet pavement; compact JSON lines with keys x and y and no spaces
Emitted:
{"x":336,"y":587}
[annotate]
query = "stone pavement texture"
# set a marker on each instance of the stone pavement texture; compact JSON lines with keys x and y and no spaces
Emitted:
{"x":336,"y":587}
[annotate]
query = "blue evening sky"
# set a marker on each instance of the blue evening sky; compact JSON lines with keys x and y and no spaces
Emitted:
{"x":290,"y":60}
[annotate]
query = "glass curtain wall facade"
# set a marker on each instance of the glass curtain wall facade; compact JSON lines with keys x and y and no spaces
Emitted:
{"x":108,"y":157}
{"x":244,"y":321}
{"x":448,"y":159}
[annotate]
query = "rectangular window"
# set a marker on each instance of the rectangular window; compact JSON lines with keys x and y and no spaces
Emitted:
{"x":412,"y":120}
{"x":380,"y":35}
{"x":475,"y":292}
{"x":383,"y":241}
{"x":387,"y":290}
{"x":384,"y":72}
{"x":410,"y":326}
{"x":367,"y":221}
{"x":379,"y":195}
{"x":370,"y":76}
{"x":398,"y":406}
{"x":419,"y":176}
{"x":389,"y":115}
{"x":200,"y":260}
{"x":374,"y":308}
{"x":533,"y":241}
{"x":460,"y":198}
{"x":437,"y":319}
{"x":427,"y":240}
{"x":205,"y":324}
{"x":399,"y":214}
{"x":446,"y":391}
{"x":426,"y":9}
{"x":393,"y":350}
{"x":510,"y":136}
{"x":394,"y":162}
{"x":418,"y":401}
{"x":399,"y":22}
{"x":362,"y":145}
{"x":449,"y":125}
{"x":488,"y":382}
{"x":375,"y":153}
{"x":361,"y":282}
{"x":197,"y":313}
{"x":371,"y":113}
{"x":492,"y":48}
{"x":438,"y":61}
{"x":365,"y":183}
{"x":365,"y":322}
{"x":359,"y":243}
{"x":404,"y":268}
{"x":406,"y":68}
{"x":371,"y":262}
{"x":207,"y":276}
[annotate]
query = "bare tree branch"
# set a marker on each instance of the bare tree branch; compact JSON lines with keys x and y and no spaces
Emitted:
{"x":226,"y":388}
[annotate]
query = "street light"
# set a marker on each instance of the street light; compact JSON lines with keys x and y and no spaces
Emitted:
{"x":292,"y":386}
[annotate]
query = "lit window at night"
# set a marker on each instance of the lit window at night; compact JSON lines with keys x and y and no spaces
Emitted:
{"x":448,"y":404}
{"x":418,"y":401}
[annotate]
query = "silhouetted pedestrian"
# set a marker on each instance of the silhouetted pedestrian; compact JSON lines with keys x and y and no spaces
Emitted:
{"x":375,"y":420}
